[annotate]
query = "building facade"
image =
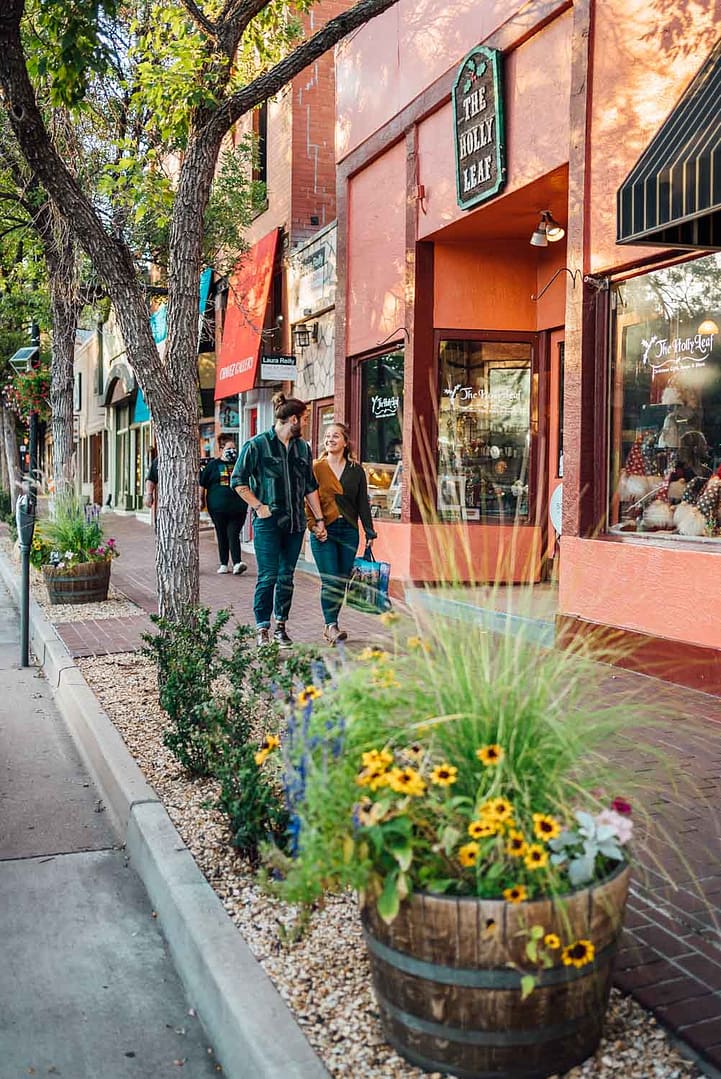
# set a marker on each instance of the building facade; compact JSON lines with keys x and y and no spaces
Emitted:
{"x":527,"y":203}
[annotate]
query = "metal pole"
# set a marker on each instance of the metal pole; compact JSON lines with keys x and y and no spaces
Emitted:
{"x":25,"y":515}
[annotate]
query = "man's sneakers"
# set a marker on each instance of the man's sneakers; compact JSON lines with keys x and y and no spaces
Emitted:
{"x":222,"y":569}
{"x":238,"y":568}
{"x":262,"y":636}
{"x":333,"y":635}
{"x":280,"y":636}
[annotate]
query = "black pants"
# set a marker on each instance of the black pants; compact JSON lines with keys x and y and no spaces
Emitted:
{"x":227,"y":531}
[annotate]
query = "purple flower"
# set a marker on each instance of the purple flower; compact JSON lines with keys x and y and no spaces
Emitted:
{"x":620,"y":805}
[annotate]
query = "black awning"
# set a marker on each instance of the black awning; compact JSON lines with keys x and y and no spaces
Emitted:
{"x":672,"y":196}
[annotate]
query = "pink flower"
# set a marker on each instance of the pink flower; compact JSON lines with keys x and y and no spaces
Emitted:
{"x":621,"y":806}
{"x":621,"y":824}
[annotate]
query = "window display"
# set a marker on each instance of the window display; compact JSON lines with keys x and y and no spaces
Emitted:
{"x":666,"y":403}
{"x":382,"y":432}
{"x":484,"y":430}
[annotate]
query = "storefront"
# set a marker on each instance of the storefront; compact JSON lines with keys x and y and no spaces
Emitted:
{"x":509,"y":331}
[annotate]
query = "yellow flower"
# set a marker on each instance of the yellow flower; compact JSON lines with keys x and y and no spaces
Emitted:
{"x":516,"y":845}
{"x":374,"y":776}
{"x":536,"y":857}
{"x":516,"y":894}
{"x":388,"y":618}
{"x":418,"y":642}
{"x":578,"y":954}
{"x":385,"y":679}
{"x":497,"y":808}
{"x":310,"y":693}
{"x":413,"y":753}
{"x":551,"y":941}
{"x":468,"y":854}
{"x":406,"y":781}
{"x":545,"y":827}
{"x":269,"y":743}
{"x":381,"y":758}
{"x":372,"y":654}
{"x":490,"y":755}
{"x":482,"y":829}
{"x":443,"y":775}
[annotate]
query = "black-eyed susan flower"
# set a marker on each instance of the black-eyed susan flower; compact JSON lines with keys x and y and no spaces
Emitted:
{"x":551,"y":941}
{"x":490,"y":755}
{"x":415,"y":643}
{"x":483,"y":828}
{"x":536,"y":857}
{"x":414,"y":753}
{"x":385,"y":678}
{"x":516,"y":894}
{"x":578,"y":954}
{"x":497,"y":808}
{"x":468,"y":854}
{"x":388,"y":618}
{"x":374,"y":776}
{"x":516,"y":845}
{"x":443,"y":775}
{"x":310,"y":693}
{"x":545,"y":827}
{"x":406,"y":781}
{"x":372,"y":655}
{"x":377,"y":758}
{"x":266,"y":747}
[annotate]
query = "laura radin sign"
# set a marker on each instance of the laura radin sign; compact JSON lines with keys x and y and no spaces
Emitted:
{"x":479,"y":135}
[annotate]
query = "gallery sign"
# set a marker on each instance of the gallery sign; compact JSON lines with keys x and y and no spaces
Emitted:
{"x":278,"y":368}
{"x":479,"y":132}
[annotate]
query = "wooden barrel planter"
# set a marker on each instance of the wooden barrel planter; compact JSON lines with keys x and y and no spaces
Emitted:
{"x":450,"y":1002}
{"x":85,"y":582}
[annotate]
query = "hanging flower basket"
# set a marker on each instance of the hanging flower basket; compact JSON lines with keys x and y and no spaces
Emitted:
{"x":82,"y":582}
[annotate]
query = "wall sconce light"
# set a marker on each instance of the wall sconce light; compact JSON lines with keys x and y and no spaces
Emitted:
{"x":547,"y":231}
{"x":708,"y":326}
{"x":303,"y":335}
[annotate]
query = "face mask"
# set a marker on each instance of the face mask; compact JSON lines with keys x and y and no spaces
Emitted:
{"x":229,"y":454}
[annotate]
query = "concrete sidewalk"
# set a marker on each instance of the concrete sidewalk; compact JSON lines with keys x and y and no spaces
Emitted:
{"x":671,"y":955}
{"x":87,"y":987}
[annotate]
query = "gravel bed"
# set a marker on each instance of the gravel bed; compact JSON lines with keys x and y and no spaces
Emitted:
{"x":324,"y":977}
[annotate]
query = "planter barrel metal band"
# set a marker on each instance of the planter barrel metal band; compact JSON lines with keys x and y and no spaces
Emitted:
{"x":483,"y":979}
{"x":447,"y":977}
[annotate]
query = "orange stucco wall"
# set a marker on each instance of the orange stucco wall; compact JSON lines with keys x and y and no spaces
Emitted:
{"x":536,"y":92}
{"x":377,"y":251}
{"x":640,"y":70}
{"x":665,"y":591}
{"x":461,"y":553}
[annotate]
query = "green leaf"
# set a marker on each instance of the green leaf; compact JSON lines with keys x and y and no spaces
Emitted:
{"x":528,"y":984}
{"x":537,"y":932}
{"x":389,"y":901}
{"x":532,"y":950}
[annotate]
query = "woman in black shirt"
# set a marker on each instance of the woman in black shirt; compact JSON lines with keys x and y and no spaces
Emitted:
{"x":226,"y":508}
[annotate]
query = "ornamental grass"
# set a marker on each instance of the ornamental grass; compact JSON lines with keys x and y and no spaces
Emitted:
{"x":462,"y":762}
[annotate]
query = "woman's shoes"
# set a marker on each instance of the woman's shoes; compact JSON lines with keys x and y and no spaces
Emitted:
{"x":238,"y":568}
{"x":333,"y":635}
{"x":222,"y":569}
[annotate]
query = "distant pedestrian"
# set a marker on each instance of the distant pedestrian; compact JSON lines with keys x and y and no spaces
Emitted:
{"x":274,"y":475}
{"x":343,"y":492}
{"x":150,"y":498}
{"x":227,"y":510}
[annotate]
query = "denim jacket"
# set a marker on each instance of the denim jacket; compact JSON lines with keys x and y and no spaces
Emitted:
{"x":279,"y":477}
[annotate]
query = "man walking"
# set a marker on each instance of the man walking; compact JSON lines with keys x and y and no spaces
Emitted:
{"x":274,"y":475}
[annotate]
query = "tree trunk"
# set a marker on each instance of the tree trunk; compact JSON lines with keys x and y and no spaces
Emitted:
{"x":5,"y":481}
{"x":65,"y":307}
{"x":9,"y":451}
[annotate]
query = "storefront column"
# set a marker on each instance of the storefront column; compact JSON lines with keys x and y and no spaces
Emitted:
{"x":579,"y":360}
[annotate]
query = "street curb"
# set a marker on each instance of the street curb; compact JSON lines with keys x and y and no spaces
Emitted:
{"x":250,"y":1026}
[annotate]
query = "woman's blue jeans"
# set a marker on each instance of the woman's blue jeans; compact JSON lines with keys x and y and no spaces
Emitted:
{"x":276,"y":552}
{"x":334,"y":560}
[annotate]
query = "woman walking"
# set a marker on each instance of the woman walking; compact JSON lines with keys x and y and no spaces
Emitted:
{"x":344,"y":499}
{"x":227,"y":511}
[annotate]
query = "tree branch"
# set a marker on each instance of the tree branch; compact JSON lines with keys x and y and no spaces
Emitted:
{"x":266,"y":85}
{"x":200,"y":19}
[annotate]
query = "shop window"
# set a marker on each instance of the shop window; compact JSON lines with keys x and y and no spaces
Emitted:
{"x":382,"y":432}
{"x":666,"y":404}
{"x":324,"y":416}
{"x":484,"y":430}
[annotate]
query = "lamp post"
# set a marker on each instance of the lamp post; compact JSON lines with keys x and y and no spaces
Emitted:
{"x":26,"y":503}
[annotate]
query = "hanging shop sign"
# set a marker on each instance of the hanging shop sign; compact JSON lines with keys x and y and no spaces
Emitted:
{"x":278,"y":368}
{"x":479,"y":131}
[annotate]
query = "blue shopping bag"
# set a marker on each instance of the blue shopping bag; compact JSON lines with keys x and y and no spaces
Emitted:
{"x":368,"y":584}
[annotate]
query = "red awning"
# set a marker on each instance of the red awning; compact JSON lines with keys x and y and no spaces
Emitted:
{"x":247,"y":300}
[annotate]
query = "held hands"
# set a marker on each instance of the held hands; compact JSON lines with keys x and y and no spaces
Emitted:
{"x":320,"y":531}
{"x":263,"y":511}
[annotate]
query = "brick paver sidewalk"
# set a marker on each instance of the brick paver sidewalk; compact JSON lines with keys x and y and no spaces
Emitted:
{"x":671,"y":955}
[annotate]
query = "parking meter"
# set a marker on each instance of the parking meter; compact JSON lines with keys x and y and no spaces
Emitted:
{"x":25,"y":519}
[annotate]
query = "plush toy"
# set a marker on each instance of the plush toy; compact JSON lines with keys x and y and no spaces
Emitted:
{"x":709,"y":504}
{"x":692,"y":523}
{"x":658,"y":514}
{"x":633,"y":482}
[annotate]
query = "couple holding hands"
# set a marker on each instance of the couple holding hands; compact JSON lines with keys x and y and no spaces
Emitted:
{"x":287,"y":491}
